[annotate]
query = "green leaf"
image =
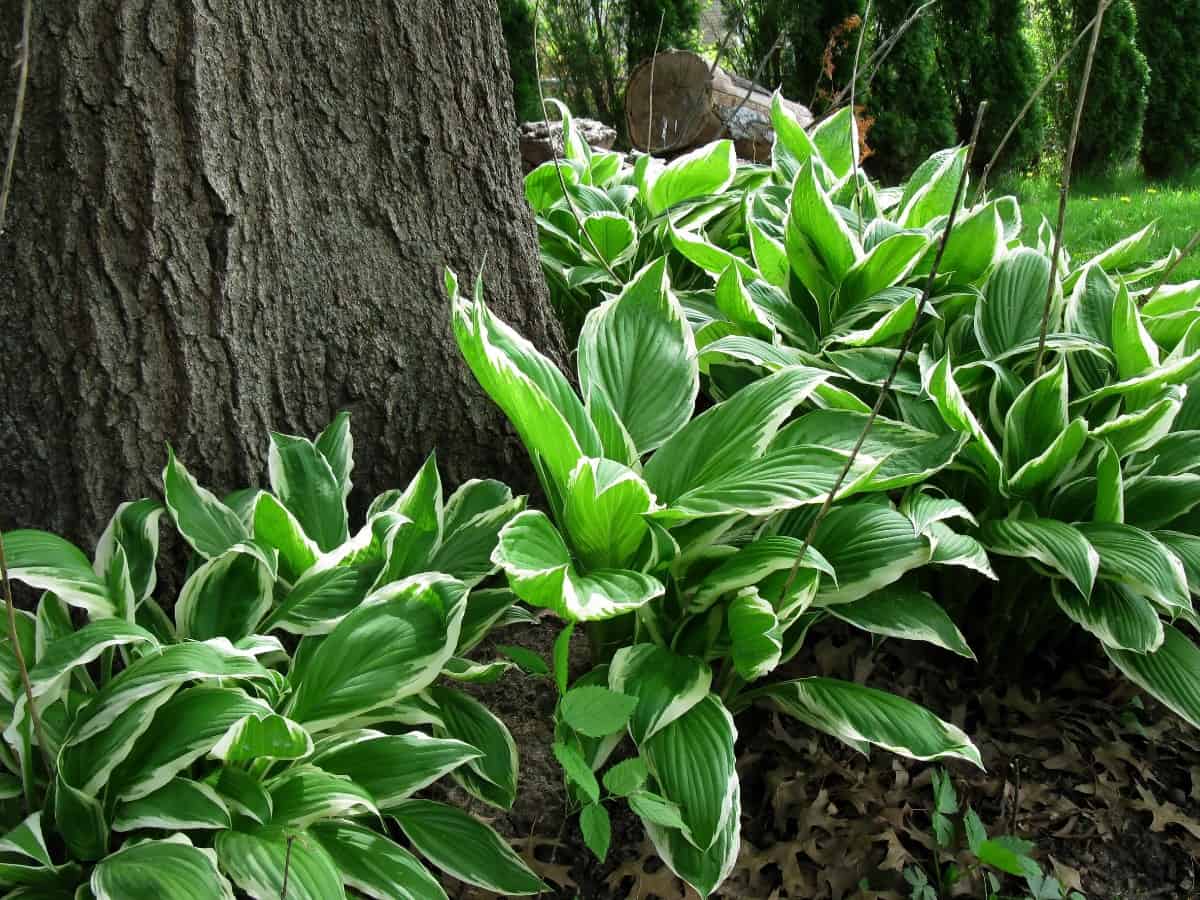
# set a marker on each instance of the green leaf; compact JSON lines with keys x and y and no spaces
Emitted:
{"x":792,"y":144}
{"x":205,"y":522}
{"x":1139,"y":561}
{"x":1056,"y":458}
{"x":179,"y":804}
{"x":819,"y":233}
{"x":729,"y":434}
{"x":940,"y":386}
{"x":259,"y":736}
{"x":391,"y":647}
{"x":1155,"y":501}
{"x":1013,"y":301}
{"x":1186,"y":548}
{"x":392,"y":767}
{"x":930,"y":191}
{"x":904,"y":613}
{"x":466,"y":551}
{"x":46,"y":562}
{"x":706,"y":170}
{"x":639,"y":349}
{"x":562,"y":657}
{"x":836,"y":140}
{"x":80,"y":821}
{"x":1036,"y":418}
{"x":737,"y":305}
{"x":1135,"y":350}
{"x":465,"y":848}
{"x":257,"y":863}
{"x":304,"y":481}
{"x":664,"y":684}
{"x":1008,"y":854}
{"x":336,"y":444}
{"x":275,"y":526}
{"x":170,"y":868}
{"x":1171,"y":673}
{"x":540,"y":571}
{"x":860,"y":715}
{"x":78,"y":648}
{"x":492,"y":777}
{"x":305,"y":794}
{"x":869,"y":546}
{"x":703,"y":870}
{"x":320,"y":600}
{"x":1056,"y":544}
{"x":244,"y":794}
{"x":627,"y":777}
{"x":755,"y":634}
{"x":596,"y":711}
{"x":134,"y":529}
{"x":604,"y":512}
{"x":613,"y":235}
{"x":975,"y":244}
{"x":953,"y":549}
{"x":486,"y":609}
{"x":1114,"y":614}
{"x":888,"y":263}
{"x":692,"y":759}
{"x":530,"y":662}
{"x":228,"y":595}
{"x":597,"y":829}
{"x":577,"y":770}
{"x":1142,"y":429}
{"x":374,"y":865}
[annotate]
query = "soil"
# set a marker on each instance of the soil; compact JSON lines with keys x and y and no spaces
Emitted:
{"x":1103,"y":780}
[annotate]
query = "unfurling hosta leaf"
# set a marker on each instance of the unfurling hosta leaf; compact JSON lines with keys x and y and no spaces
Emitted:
{"x":937,"y":379}
{"x":1056,"y":544}
{"x":179,"y":804}
{"x":391,"y":647}
{"x":47,"y":562}
{"x":373,"y":864}
{"x":704,"y":870}
{"x":869,"y":546}
{"x":540,"y":570}
{"x":692,"y":760}
{"x":755,"y":634}
{"x":836,"y":140}
{"x":792,"y":145}
{"x":596,"y":711}
{"x":228,"y":595}
{"x":859,"y":715}
{"x":1116,"y":615}
{"x":665,"y":684}
{"x":639,"y":350}
{"x":205,"y":522}
{"x":706,"y":170}
{"x":613,"y":235}
{"x":904,"y":613}
{"x":170,"y":868}
{"x":817,"y":237}
{"x":1013,"y":300}
{"x":276,"y":527}
{"x":134,"y":529}
{"x":304,"y":481}
{"x":1135,"y":350}
{"x":257,"y":862}
{"x":1036,"y":418}
{"x":1171,"y":673}
{"x":492,"y":776}
{"x":465,"y":848}
{"x":603,"y":509}
{"x":887,"y":264}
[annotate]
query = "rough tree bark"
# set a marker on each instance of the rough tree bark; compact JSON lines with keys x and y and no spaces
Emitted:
{"x":231,"y":216}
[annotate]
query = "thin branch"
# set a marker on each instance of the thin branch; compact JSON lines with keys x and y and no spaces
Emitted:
{"x":653,"y":60}
{"x":881,"y":53}
{"x":758,"y":70}
{"x":1037,"y":92}
{"x":862,"y":30}
{"x":1064,"y":189}
{"x":18,"y":113}
{"x":737,"y":20}
{"x":1183,"y":254}
{"x":562,"y":182}
{"x":23,"y":668}
{"x":287,"y":865}
{"x":904,"y":348}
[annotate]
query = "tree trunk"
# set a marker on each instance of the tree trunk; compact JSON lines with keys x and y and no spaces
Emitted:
{"x":230,"y":217}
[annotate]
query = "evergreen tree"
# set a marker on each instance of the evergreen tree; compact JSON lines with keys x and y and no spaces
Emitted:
{"x":680,"y":21}
{"x":516,"y":20}
{"x":1169,"y":35}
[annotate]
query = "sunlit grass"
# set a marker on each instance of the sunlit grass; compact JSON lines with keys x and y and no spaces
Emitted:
{"x":1101,"y":211}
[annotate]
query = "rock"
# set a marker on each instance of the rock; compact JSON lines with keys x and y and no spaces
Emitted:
{"x":535,"y":139}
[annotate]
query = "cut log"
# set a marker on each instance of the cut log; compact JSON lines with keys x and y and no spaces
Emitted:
{"x":673,"y":103}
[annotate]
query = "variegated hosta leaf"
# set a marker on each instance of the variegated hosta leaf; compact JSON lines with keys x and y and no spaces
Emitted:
{"x":869,"y":545}
{"x":792,"y":145}
{"x":491,"y":775}
{"x":1036,"y":418}
{"x":953,"y":549}
{"x":321,"y":599}
{"x":336,"y":444}
{"x":179,"y":804}
{"x":1186,"y":548}
{"x":374,"y":865}
{"x":1056,"y":544}
{"x":905,"y":613}
{"x":392,"y":646}
{"x":925,"y":509}
{"x":134,"y":529}
{"x":692,"y":759}
{"x":228,"y":595}
{"x":666,"y":685}
{"x":836,"y":140}
{"x":407,"y":547}
{"x":703,"y":870}
{"x":974,"y":245}
{"x":937,"y":379}
{"x":466,"y":551}
{"x":1140,"y":562}
{"x":604,"y":512}
{"x":1052,"y":462}
{"x":205,"y":522}
{"x":465,"y":848}
{"x":1155,"y":501}
{"x":859,"y":715}
{"x":752,"y":564}
{"x":306,"y":794}
{"x":392,"y":767}
{"x":538,"y":564}
{"x":46,"y":562}
{"x":729,"y":434}
{"x":929,"y":192}
{"x":167,"y":868}
{"x":275,"y":526}
{"x":258,"y":736}
{"x":257,"y":862}
{"x":737,"y":304}
{"x":755,"y":634}
{"x":1014,"y":298}
{"x":1135,"y":350}
{"x":1142,"y":429}
{"x":706,"y":170}
{"x":1119,"y":617}
{"x":79,"y":648}
{"x":638,"y":349}
{"x":1171,"y":673}
{"x":305,"y":483}
{"x":886,"y":265}
{"x":820,"y":244}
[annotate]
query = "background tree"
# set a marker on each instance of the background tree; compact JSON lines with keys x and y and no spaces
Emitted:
{"x":516,"y":21}
{"x":1169,"y":36}
{"x":231,"y":216}
{"x":579,"y":41}
{"x":680,"y":27}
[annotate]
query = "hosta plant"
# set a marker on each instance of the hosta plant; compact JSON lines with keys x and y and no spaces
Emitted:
{"x":277,"y":723}
{"x":667,"y":538}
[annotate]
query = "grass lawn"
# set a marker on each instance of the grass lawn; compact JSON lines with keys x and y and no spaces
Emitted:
{"x":1101,"y":211}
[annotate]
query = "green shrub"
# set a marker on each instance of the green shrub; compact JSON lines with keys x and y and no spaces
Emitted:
{"x":197,"y":750}
{"x":1168,"y":34}
{"x":516,"y":20}
{"x":680,"y":20}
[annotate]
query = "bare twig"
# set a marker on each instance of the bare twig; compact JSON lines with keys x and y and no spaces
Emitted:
{"x":562,"y":182}
{"x":1183,"y":254}
{"x":904,"y":348}
{"x":862,"y":30}
{"x":23,"y":668}
{"x":18,"y":112}
{"x":287,"y":865}
{"x":881,"y":53}
{"x":1037,"y":92}
{"x":1064,"y":189}
{"x":758,"y":70}
{"x":653,"y":60}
